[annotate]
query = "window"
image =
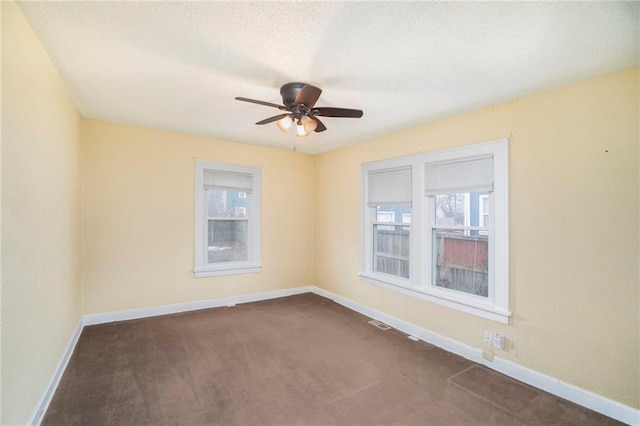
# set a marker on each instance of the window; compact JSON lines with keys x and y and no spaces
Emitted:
{"x":227,"y":223}
{"x":456,"y":203}
{"x":389,"y":197}
{"x":460,"y":252}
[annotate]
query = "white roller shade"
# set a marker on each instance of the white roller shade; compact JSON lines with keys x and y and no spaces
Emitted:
{"x":389,"y":187}
{"x":464,"y":175}
{"x":215,"y":179}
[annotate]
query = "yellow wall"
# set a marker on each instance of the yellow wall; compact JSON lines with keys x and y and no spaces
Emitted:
{"x":138,"y":218}
{"x":574,"y":211}
{"x":40,"y":218}
{"x":574,"y":217}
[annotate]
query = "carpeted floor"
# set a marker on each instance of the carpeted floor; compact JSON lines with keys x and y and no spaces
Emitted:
{"x":296,"y":360}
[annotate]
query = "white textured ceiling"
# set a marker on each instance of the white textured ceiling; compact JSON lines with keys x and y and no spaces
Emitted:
{"x":178,"y":65}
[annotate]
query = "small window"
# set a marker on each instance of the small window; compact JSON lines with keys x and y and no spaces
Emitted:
{"x":227,"y":219}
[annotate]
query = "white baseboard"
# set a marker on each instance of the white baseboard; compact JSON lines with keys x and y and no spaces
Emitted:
{"x":541,"y":381}
{"x":47,"y":395}
{"x":190,"y":306}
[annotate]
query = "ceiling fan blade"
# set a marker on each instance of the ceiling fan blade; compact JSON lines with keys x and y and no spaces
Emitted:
{"x":272,"y":119}
{"x":308,"y":95}
{"x":320,"y":127}
{"x":253,"y":101}
{"x":337,"y":112}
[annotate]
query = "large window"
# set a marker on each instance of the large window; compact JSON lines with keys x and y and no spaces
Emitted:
{"x":227,"y":231}
{"x":435,"y":226}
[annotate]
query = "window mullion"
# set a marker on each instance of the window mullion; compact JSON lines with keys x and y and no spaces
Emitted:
{"x":416,"y":224}
{"x":427,"y":241}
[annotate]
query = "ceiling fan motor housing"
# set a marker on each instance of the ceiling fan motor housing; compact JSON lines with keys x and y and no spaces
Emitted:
{"x":289,"y":92}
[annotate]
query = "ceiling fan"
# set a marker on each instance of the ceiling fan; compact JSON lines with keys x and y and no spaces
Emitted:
{"x":299,"y":101}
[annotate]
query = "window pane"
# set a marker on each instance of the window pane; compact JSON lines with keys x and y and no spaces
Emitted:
{"x":226,"y":203}
{"x":391,"y":249}
{"x":385,"y":216}
{"x":462,"y":209}
{"x":390,"y":214}
{"x":227,"y":240}
{"x":462,"y":261}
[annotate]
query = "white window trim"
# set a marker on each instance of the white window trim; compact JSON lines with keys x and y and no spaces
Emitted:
{"x":253,"y":265}
{"x":494,"y":307}
{"x":482,"y":202}
{"x":368,"y":218}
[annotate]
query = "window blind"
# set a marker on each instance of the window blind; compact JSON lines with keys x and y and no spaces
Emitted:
{"x":473,"y":174}
{"x":389,"y":187}
{"x":215,"y":179}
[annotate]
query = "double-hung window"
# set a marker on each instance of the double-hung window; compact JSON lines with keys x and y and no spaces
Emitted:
{"x":389,"y":222}
{"x":459,"y":245}
{"x":227,"y":219}
{"x":453,"y":248}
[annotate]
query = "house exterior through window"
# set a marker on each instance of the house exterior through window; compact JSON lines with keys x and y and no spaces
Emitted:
{"x":435,"y":226}
{"x":227,"y":219}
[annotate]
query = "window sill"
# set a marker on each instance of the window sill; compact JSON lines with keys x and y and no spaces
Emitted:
{"x":484,"y":311}
{"x":227,"y":270}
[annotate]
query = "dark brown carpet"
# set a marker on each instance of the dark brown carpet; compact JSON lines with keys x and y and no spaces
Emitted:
{"x":296,"y":360}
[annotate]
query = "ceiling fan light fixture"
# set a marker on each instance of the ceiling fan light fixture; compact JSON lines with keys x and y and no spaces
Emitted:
{"x":284,"y":124}
{"x":300,"y":131}
{"x":305,"y":126}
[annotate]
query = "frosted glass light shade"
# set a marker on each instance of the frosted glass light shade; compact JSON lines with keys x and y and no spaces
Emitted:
{"x":305,"y":126}
{"x":300,"y":131}
{"x":284,"y":123}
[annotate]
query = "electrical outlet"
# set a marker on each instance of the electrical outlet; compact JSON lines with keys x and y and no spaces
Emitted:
{"x":488,"y":337}
{"x":498,"y":341}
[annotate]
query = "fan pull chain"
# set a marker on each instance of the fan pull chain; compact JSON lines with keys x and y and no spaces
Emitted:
{"x":294,"y":140}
